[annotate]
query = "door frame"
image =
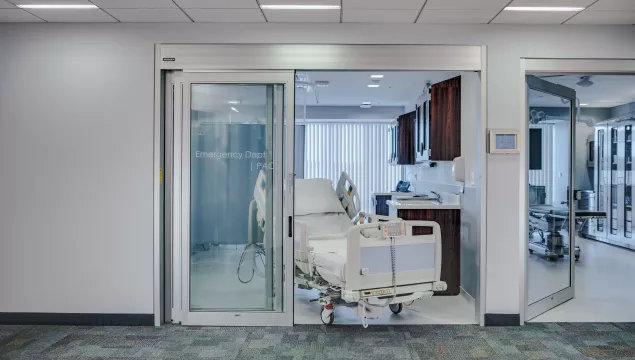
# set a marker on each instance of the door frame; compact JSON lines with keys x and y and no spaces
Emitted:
{"x":550,"y":66}
{"x":223,"y":57}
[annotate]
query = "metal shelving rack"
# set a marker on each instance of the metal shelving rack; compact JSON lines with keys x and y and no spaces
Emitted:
{"x":613,"y":182}
{"x":628,"y":162}
{"x":601,"y":177}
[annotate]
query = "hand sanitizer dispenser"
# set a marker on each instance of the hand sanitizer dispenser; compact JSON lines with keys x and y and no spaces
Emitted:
{"x":458,"y":171}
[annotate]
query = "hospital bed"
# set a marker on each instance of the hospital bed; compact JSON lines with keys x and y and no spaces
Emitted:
{"x":363,"y":260}
{"x":549,"y":221}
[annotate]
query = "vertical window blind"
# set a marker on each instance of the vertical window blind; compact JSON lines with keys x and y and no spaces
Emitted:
{"x":362,"y":150}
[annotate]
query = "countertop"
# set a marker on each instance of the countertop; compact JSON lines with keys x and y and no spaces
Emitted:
{"x":394,"y":193}
{"x":449,"y":202}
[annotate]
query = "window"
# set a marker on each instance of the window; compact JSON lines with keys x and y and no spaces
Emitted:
{"x":362,"y":150}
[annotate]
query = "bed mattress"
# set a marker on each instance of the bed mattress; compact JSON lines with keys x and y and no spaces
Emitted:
{"x":329,"y":258}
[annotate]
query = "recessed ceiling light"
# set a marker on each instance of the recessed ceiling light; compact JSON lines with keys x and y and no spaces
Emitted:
{"x":90,"y":6}
{"x":234,"y":109}
{"x":373,"y":85}
{"x":377,"y":76}
{"x":300,"y":7}
{"x":543,"y":8}
{"x":584,"y":104}
{"x":233,"y":102}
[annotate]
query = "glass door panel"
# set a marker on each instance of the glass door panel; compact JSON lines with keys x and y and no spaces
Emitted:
{"x":551,"y":257}
{"x":234,"y":239}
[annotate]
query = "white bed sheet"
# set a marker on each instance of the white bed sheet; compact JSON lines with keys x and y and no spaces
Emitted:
{"x":329,"y":258}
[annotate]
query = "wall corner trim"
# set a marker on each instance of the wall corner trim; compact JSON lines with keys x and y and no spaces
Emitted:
{"x":502,"y":319}
{"x":87,"y":319}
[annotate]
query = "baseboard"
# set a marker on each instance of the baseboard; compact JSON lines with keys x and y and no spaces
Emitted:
{"x":76,"y":319}
{"x":502,"y":319}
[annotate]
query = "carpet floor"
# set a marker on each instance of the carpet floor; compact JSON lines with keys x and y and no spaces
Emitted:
{"x":533,"y":341}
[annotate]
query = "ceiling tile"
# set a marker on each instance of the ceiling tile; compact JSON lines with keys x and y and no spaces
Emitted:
{"x":303,"y":2}
{"x":217,"y":4}
{"x":380,"y":16}
{"x":456,"y":16}
{"x":575,"y":3}
{"x":6,"y":5}
{"x":135,"y":4}
{"x":52,"y":2}
{"x":532,"y":17}
{"x":73,"y":15}
{"x":301,"y":16}
{"x":383,"y":4}
{"x":225,"y":15}
{"x":589,"y":17}
{"x":465,"y":4}
{"x":149,"y":15}
{"x":613,"y":5}
{"x":17,"y":15}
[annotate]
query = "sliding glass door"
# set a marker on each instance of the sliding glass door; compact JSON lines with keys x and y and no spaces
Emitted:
{"x":235,"y":147}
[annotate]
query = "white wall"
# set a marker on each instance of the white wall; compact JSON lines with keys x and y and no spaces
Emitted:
{"x":76,"y":123}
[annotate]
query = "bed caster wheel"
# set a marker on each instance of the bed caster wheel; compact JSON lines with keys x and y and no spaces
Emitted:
{"x":577,"y":258}
{"x":327,"y":316}
{"x":396,"y":308}
{"x":531,"y":251}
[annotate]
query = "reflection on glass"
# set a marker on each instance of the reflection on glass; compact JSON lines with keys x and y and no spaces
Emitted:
{"x":231,"y":198}
{"x":549,"y":142}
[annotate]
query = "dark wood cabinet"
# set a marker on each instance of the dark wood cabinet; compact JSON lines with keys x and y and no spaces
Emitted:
{"x":450,"y":222}
{"x":381,"y":208}
{"x":403,"y":152}
{"x":445,"y":120}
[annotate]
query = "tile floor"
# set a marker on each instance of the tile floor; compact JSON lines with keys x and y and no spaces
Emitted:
{"x":605,"y":290}
{"x":215,"y":285}
{"x":604,"y":285}
{"x":437,"y":310}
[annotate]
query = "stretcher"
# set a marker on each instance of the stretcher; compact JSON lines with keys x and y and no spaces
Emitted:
{"x":552,"y":223}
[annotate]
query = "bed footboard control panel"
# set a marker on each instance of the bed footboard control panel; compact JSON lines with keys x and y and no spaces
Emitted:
{"x":393,"y":229}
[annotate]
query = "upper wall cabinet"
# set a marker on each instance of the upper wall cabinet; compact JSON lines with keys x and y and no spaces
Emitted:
{"x":445,"y":120}
{"x":433,"y":131}
{"x":403,"y":140}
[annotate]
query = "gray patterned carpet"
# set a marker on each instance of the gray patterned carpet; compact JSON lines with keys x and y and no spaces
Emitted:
{"x":533,"y":341}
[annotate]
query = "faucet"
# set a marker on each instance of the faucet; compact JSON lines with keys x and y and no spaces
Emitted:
{"x":438,"y":196}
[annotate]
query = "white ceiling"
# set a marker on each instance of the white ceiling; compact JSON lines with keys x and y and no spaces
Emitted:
{"x":607,"y":91}
{"x":350,"y":88}
{"x":353,"y":11}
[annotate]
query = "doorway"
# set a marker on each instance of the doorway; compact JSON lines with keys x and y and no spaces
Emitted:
{"x":601,"y":256}
{"x":187,"y":69}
